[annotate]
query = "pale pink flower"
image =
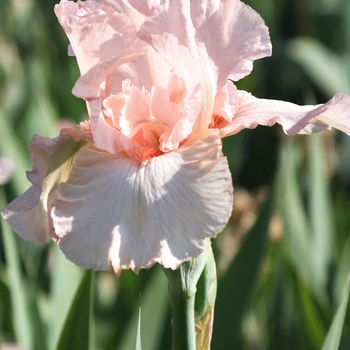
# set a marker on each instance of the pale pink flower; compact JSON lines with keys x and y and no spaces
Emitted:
{"x":145,"y":180}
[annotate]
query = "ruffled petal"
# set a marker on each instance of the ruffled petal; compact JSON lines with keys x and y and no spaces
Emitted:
{"x":136,"y":10}
{"x":224,"y":38}
{"x":130,"y":215}
{"x":228,"y":35}
{"x":29,"y":214}
{"x":101,"y":39}
{"x":106,"y":137}
{"x":338,"y":113}
{"x":28,"y":217}
{"x":293,"y":118}
{"x":137,"y":109}
{"x":232,"y":34}
{"x":175,"y":18}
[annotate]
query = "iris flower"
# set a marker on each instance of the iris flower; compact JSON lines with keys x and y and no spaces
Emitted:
{"x":144,"y":180}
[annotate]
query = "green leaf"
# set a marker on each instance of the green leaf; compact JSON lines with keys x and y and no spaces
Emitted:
{"x":138,"y":335}
{"x":320,"y":202}
{"x":334,"y":334}
{"x":311,"y":319}
{"x":76,"y":333}
{"x":297,"y":231}
{"x":342,"y":269}
{"x":327,"y":69}
{"x":18,"y":291}
{"x":10,"y":146}
{"x":154,"y":305}
{"x":66,"y":278}
{"x":236,"y":288}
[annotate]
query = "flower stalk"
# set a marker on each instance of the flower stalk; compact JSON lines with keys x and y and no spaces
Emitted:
{"x":188,"y":312}
{"x":184,"y":335}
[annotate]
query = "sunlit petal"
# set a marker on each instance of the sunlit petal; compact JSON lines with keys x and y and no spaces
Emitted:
{"x":158,"y":211}
{"x":100,"y":38}
{"x":293,"y":118}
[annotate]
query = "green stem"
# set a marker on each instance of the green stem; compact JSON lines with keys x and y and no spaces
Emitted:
{"x":184,"y":334}
{"x":182,"y":291}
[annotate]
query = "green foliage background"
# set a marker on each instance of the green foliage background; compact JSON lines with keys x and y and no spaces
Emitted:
{"x":280,"y":281}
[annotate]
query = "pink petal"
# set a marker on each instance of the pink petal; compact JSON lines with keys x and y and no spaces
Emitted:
{"x":100,"y":38}
{"x":293,"y":118}
{"x":144,"y":72}
{"x":166,"y":115}
{"x":137,"y":109}
{"x":158,"y":66}
{"x":224,"y":38}
{"x":233,"y":35}
{"x":226,"y":102}
{"x":338,"y":113}
{"x":28,"y":215}
{"x":228,"y":35}
{"x":142,"y":75}
{"x":136,"y":10}
{"x":174,"y":18}
{"x":177,"y":108}
{"x":115,"y":211}
{"x":106,"y":136}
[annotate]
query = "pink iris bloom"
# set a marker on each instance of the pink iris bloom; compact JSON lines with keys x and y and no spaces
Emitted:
{"x":144,"y":181}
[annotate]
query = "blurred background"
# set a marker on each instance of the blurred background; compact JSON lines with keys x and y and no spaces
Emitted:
{"x":283,"y":259}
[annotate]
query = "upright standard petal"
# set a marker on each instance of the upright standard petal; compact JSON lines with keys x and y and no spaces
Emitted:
{"x":29,"y":214}
{"x":130,"y":215}
{"x":100,"y":38}
{"x":224,"y":37}
{"x":232,"y":34}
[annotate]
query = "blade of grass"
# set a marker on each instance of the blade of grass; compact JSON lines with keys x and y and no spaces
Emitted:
{"x":334,"y":334}
{"x":154,"y":304}
{"x":342,"y":272}
{"x":296,"y":226}
{"x":327,"y":69}
{"x":320,"y":210}
{"x":138,"y":335}
{"x":18,"y":291}
{"x":77,"y":333}
{"x":66,"y":278}
{"x":10,"y":146}
{"x":311,"y":320}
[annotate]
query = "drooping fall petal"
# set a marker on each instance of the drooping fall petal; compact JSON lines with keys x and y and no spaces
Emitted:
{"x":337,"y":113}
{"x":29,"y":214}
{"x":293,"y":118}
{"x":131,"y":215}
